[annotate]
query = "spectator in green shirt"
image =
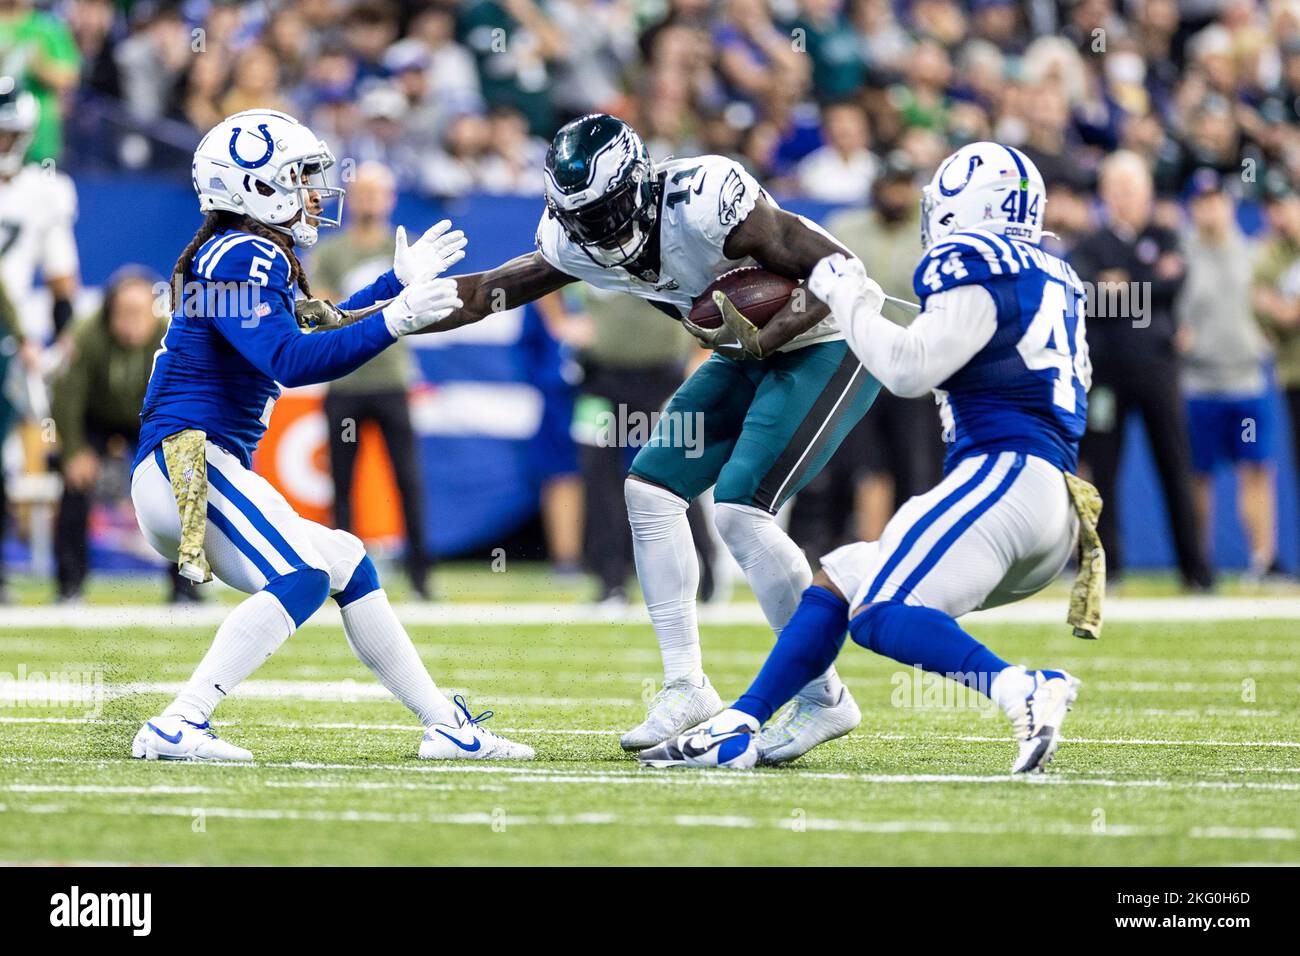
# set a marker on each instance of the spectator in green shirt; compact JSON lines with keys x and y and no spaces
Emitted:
{"x":839,"y":66}
{"x":376,"y":392}
{"x":40,"y":53}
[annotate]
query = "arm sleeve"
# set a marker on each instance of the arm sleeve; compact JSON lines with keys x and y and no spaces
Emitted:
{"x":274,"y":345}
{"x":385,"y":287}
{"x":911,"y":361}
{"x":70,"y":392}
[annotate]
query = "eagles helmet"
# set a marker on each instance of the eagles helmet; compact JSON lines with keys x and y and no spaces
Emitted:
{"x":600,"y":186}
{"x":18,"y":115}
{"x":984,"y":186}
{"x":263,"y":164}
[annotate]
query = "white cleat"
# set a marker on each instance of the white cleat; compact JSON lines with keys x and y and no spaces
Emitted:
{"x":729,"y":740}
{"x":679,"y":706}
{"x":175,"y":738}
{"x":1036,"y":718}
{"x":803,"y":724}
{"x":466,"y":739}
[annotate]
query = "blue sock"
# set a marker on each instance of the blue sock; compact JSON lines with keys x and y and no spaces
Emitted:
{"x":926,"y":638}
{"x":807,"y":646}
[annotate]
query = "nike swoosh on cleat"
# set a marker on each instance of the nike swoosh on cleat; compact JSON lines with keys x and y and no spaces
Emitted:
{"x":460,"y":743}
{"x":167,"y":737}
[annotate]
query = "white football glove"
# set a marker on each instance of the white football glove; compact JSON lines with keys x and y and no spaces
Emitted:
{"x":842,"y":282}
{"x":433,"y":253}
{"x":421,"y":304}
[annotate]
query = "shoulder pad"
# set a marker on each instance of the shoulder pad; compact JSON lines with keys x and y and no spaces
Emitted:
{"x":715,"y":192}
{"x":241,"y":257}
{"x":964,"y":258}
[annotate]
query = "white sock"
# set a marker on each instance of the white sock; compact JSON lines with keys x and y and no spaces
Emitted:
{"x":380,"y":642}
{"x":669,"y":573}
{"x":250,"y":634}
{"x":778,"y":573}
{"x":1011,"y":686}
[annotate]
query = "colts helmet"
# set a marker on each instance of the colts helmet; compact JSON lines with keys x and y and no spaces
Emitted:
{"x":600,"y":186}
{"x":18,"y":115}
{"x":984,"y":186}
{"x":263,"y":164}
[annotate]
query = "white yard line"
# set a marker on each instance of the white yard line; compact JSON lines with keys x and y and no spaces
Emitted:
{"x":629,"y":774}
{"x":564,"y":731}
{"x":1044,"y":611}
{"x":504,"y":821}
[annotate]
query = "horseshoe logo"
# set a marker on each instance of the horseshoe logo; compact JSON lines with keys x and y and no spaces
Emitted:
{"x":262,"y":160}
{"x":975,"y":163}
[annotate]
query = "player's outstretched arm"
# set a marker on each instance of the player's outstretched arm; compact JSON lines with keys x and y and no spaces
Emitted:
{"x":911,"y":361}
{"x":522,"y":280}
{"x":783,"y":243}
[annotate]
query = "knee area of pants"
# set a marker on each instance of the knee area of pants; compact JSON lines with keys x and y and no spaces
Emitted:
{"x":646,"y":501}
{"x":824,"y":597}
{"x":364,"y":580}
{"x":863,"y":624}
{"x":301,"y":592}
{"x":735,"y":522}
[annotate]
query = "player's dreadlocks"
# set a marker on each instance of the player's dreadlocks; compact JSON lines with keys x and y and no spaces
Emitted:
{"x":215,"y":222}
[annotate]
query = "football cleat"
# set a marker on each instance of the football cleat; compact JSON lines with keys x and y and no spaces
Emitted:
{"x":466,"y":739}
{"x":804,"y":724}
{"x":172,"y":737}
{"x":728,"y":740}
{"x":679,"y":706}
{"x":1036,"y":717}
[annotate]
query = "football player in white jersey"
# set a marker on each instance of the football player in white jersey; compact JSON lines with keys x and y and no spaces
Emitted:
{"x":37,"y":209}
{"x":665,"y":232}
{"x":1001,"y":337}
{"x":38,"y":206}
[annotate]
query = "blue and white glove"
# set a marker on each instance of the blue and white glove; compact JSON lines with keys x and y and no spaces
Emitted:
{"x":433,"y":253}
{"x":421,"y":304}
{"x":842,"y":282}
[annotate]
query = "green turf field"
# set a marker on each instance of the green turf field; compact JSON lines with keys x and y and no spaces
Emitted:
{"x":1185,"y":750}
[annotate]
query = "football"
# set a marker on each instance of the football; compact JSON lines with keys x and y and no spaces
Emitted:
{"x":757,"y":293}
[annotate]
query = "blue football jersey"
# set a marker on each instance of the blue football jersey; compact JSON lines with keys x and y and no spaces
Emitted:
{"x":1026,"y":390}
{"x":233,"y":340}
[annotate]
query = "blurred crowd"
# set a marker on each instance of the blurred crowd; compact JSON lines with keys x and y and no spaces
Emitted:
{"x":461,"y":95}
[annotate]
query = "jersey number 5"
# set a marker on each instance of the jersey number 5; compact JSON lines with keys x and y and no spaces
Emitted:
{"x":1046,"y":344}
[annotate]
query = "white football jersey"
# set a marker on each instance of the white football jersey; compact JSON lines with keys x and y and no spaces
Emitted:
{"x":704,"y":198}
{"x":37,"y":209}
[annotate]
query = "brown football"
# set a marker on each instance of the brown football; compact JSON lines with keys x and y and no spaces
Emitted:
{"x":757,"y":293}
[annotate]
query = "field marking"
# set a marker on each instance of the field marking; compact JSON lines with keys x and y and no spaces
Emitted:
{"x":346,"y":691}
{"x":635,"y":775}
{"x":1042,"y":611}
{"x":352,"y":691}
{"x":505,"y":821}
{"x":106,"y":789}
{"x":563,"y":731}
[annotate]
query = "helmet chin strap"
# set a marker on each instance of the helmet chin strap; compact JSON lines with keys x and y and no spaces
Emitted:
{"x":304,"y":234}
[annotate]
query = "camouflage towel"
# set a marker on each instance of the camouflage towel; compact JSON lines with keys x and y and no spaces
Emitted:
{"x":187,"y":465}
{"x":1090,"y":579}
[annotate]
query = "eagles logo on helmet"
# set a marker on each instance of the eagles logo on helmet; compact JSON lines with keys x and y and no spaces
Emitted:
{"x":600,"y":187}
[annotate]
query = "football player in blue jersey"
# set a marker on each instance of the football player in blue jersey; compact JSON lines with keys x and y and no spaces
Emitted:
{"x":1001,"y":341}
{"x":233,"y":340}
